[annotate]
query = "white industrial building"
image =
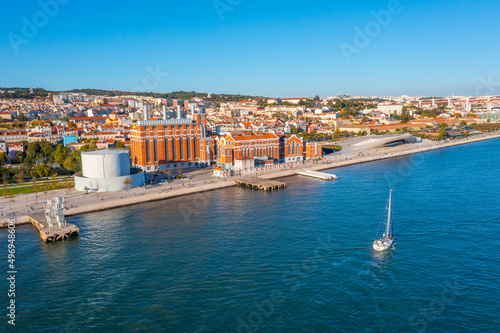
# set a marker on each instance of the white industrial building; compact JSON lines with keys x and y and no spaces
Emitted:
{"x":390,"y":108}
{"x":107,"y":171}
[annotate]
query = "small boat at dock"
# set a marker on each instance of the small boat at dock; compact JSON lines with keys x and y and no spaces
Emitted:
{"x":317,"y":174}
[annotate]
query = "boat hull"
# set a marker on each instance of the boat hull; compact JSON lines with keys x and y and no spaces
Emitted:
{"x":382,"y":245}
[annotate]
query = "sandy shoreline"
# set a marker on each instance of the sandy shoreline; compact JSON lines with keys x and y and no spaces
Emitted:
{"x":79,"y":203}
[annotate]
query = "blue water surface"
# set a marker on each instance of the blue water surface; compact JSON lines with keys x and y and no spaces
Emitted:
{"x":297,"y":260}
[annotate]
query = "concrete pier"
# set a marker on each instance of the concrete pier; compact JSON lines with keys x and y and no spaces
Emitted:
{"x":261,"y":184}
{"x":48,"y":234}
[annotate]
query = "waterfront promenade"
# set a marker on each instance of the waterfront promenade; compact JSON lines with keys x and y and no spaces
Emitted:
{"x":203,"y":181}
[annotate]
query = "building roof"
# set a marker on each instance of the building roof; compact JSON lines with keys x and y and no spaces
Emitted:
{"x":105,"y":133}
{"x":88,"y":118}
{"x":245,"y":136}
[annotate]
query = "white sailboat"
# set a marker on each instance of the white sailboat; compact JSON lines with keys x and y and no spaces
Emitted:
{"x":387,"y":239}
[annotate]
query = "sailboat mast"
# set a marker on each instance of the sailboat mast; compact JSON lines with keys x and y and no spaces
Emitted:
{"x":389,"y":215}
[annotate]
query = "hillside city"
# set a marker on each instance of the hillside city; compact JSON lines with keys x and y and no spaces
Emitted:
{"x":44,"y":136}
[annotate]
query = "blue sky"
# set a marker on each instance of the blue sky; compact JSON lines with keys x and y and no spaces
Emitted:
{"x":271,"y":48}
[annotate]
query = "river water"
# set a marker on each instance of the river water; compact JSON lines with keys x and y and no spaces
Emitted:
{"x":296,"y":260}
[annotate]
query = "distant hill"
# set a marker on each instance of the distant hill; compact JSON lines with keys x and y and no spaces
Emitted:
{"x":22,"y":93}
{"x":184,"y":95}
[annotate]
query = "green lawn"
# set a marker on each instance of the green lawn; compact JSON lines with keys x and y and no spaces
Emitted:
{"x":31,"y":189}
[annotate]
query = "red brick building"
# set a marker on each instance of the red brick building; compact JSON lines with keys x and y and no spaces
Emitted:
{"x":207,"y":151}
{"x":313,"y":150}
{"x":247,"y":144}
{"x":164,"y":144}
{"x":292,"y":149}
{"x":265,"y":149}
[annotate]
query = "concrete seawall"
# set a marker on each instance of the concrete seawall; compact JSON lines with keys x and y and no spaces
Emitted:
{"x":91,"y":203}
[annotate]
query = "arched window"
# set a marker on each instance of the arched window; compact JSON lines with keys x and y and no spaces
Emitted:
{"x":196,"y":153}
{"x":174,"y":150}
{"x":293,"y":148}
{"x":289,"y":149}
{"x":155,"y":149}
{"x":181,"y":148}
{"x":167,"y":150}
{"x":188,"y":142}
{"x":148,"y":152}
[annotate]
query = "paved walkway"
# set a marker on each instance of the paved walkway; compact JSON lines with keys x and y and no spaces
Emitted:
{"x":201,"y":181}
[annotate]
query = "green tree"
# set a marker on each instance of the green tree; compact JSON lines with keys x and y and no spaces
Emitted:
{"x":21,"y":117}
{"x":20,"y":177}
{"x":93,"y":145}
{"x":120,"y":145}
{"x":47,"y":149}
{"x":60,"y":154}
{"x":70,"y":163}
{"x":336,"y":134}
{"x":42,"y":170}
{"x":405,"y":116}
{"x":442,"y":132}
{"x":19,"y":158}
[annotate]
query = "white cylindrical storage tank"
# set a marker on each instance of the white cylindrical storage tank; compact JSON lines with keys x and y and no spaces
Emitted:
{"x":105,"y":164}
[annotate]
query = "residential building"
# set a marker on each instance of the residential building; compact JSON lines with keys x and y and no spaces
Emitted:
{"x":244,"y":165}
{"x":10,"y":136}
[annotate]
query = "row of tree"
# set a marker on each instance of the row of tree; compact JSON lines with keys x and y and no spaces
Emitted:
{"x":22,"y":93}
{"x":43,"y":159}
{"x":183,"y":95}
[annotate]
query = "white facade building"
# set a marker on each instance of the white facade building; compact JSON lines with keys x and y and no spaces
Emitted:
{"x":244,"y":164}
{"x":390,"y":108}
{"x":107,"y":171}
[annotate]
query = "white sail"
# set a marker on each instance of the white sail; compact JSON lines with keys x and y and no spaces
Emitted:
{"x":386,"y":241}
{"x":388,"y":227}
